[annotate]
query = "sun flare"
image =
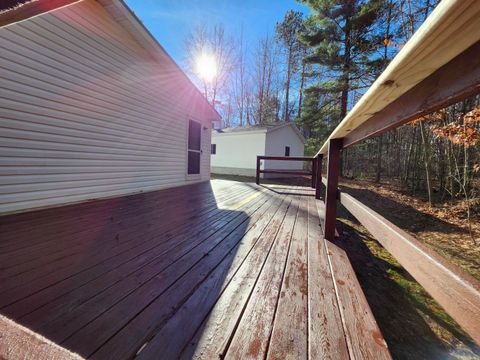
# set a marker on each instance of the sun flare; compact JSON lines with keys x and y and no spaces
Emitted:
{"x":206,"y":67}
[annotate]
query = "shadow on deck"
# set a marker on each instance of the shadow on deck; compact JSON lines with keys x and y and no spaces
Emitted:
{"x":218,"y":269}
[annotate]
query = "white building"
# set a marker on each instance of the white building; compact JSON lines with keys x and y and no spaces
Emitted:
{"x":92,"y":106}
{"x":235,"y":150}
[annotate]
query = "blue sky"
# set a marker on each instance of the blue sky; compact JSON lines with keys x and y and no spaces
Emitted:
{"x":170,"y":21}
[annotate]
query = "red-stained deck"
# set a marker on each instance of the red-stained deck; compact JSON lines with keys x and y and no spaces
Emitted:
{"x":212,"y":270}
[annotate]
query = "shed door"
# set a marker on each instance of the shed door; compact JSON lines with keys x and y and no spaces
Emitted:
{"x":194,"y":147}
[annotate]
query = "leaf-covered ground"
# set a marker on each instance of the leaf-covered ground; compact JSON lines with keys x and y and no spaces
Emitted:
{"x":443,"y":227}
{"x":413,"y":324}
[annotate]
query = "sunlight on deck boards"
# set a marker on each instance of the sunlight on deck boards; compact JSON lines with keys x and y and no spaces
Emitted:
{"x":217,"y":269}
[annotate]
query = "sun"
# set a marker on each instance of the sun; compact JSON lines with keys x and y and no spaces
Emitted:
{"x":206,"y":67}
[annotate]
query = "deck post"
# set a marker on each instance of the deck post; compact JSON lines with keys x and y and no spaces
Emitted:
{"x":257,"y":175}
{"x":333,"y":170}
{"x":318,"y":176}
{"x":314,"y":172}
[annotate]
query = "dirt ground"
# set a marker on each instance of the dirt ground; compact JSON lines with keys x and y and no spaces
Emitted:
{"x":413,"y":324}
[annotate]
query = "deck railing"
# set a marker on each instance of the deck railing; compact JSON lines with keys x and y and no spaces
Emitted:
{"x":454,"y":289}
{"x":310,"y":172}
{"x":449,"y":71}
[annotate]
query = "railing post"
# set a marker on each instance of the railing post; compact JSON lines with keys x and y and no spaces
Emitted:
{"x":314,"y":172}
{"x":333,"y":170}
{"x":257,"y":175}
{"x":318,"y":176}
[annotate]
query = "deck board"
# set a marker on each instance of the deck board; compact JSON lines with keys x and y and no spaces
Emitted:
{"x":212,"y":337}
{"x":289,"y":339}
{"x":252,"y":335}
{"x":211,"y":270}
{"x":326,"y":334}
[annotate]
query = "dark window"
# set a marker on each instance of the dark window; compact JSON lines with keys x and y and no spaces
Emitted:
{"x":194,"y":130}
{"x":194,"y":147}
{"x":214,"y":149}
{"x":287,"y":150}
{"x":193,"y":162}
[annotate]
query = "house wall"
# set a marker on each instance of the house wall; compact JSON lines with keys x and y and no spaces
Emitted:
{"x":275,"y":146}
{"x":237,"y":152}
{"x":87,"y":113}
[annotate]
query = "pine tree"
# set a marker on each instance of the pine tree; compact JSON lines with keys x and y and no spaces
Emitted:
{"x":342,"y":34}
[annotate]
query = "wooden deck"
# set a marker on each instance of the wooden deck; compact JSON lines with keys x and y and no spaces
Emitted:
{"x":212,"y":270}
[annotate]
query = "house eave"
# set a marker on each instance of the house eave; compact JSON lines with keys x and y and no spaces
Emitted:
{"x":31,"y":9}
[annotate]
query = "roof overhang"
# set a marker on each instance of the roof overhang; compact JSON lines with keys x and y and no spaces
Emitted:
{"x":230,"y":133}
{"x":264,"y":130}
{"x":30,"y":9}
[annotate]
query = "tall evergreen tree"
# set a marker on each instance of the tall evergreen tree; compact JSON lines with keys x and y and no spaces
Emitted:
{"x":343,"y":36}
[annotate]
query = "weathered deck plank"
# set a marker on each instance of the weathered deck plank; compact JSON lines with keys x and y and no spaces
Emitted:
{"x":228,"y":270}
{"x":251,"y":337}
{"x":20,"y":288}
{"x":289,"y":339}
{"x":326,"y":335}
{"x":202,"y":281}
{"x":19,"y":261}
{"x":123,"y":228}
{"x":212,"y":337}
{"x":191,"y":314}
{"x":88,"y":285}
{"x":18,"y":342}
{"x":132,"y":294}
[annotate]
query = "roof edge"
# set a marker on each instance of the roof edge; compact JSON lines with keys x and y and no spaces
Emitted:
{"x":32,"y":9}
{"x":239,"y":132}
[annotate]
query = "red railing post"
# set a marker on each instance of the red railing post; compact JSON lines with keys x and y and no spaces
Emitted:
{"x":314,"y":172}
{"x":257,"y":175}
{"x":318,"y":176}
{"x":333,"y":170}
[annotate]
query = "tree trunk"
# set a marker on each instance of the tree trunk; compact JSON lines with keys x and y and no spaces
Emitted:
{"x":302,"y":83}
{"x":379,"y":159}
{"x":426,"y":160}
{"x":287,"y":86}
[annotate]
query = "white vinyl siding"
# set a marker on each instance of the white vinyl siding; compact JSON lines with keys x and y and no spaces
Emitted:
{"x":86,"y":112}
{"x":275,"y":146}
{"x":238,"y":149}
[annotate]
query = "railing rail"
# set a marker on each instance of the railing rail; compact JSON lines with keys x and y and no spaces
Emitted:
{"x":259,"y":171}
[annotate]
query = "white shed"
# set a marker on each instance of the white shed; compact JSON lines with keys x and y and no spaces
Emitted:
{"x":91,"y":106}
{"x":235,"y":150}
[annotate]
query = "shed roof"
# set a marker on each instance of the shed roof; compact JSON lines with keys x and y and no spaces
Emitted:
{"x":264,"y":128}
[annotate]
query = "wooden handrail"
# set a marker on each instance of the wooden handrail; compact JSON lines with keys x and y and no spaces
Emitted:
{"x":453,"y":82}
{"x":455,"y":290}
{"x":452,"y":28}
{"x":279,"y":171}
{"x":294,"y":158}
{"x":291,"y":172}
